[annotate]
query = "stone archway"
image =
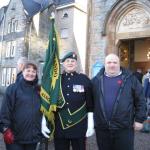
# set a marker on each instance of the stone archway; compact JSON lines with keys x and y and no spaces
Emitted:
{"x":134,"y":24}
{"x":127,"y":19}
{"x":133,"y":28}
{"x":127,"y":25}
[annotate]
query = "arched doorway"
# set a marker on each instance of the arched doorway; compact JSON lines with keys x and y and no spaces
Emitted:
{"x":135,"y":53}
{"x":127,"y":28}
{"x":133,"y":32}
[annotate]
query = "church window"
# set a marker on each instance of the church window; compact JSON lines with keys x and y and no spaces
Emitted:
{"x":8,"y":76}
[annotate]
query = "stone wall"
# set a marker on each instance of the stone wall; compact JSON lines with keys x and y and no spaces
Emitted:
{"x":15,"y":15}
{"x":104,"y":20}
{"x":98,"y":13}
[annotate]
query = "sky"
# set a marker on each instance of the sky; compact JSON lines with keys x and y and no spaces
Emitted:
{"x":3,"y":3}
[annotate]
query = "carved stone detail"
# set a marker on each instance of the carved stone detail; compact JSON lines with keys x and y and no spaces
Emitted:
{"x":136,"y":18}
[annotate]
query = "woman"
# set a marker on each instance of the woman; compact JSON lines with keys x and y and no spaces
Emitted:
{"x":20,"y":115}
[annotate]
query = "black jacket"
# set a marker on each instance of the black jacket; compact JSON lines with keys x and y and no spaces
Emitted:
{"x":21,"y":111}
{"x":75,"y":99}
{"x":19,"y":76}
{"x":130,"y":103}
{"x":147,"y":88}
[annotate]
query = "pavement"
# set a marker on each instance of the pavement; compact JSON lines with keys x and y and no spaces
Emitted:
{"x":142,"y":142}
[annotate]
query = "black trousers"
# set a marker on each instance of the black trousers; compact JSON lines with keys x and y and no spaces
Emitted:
{"x":16,"y":146}
{"x":64,"y":144}
{"x":115,"y":139}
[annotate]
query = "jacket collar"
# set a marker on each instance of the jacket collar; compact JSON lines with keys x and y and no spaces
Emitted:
{"x":125,"y":73}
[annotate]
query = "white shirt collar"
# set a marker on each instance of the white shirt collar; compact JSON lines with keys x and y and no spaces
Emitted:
{"x":114,"y":75}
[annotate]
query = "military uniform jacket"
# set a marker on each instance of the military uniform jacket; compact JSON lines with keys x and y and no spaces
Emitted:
{"x":77,"y":92}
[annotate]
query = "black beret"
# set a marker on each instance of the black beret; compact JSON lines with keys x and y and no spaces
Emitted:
{"x":71,"y":55}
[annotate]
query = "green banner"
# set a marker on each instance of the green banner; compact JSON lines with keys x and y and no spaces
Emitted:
{"x":50,"y":85}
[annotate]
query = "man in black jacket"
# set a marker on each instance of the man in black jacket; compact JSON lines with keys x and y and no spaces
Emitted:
{"x":119,"y":104}
{"x":20,"y":66}
{"x":139,"y":75}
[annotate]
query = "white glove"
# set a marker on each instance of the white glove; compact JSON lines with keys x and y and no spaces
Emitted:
{"x":45,"y":131}
{"x":90,"y":130}
{"x":138,"y":126}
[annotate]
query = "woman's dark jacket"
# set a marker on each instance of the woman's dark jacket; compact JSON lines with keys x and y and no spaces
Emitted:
{"x":129,"y":105}
{"x":21,"y":111}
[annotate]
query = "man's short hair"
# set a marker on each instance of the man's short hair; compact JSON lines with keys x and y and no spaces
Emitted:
{"x":22,"y":60}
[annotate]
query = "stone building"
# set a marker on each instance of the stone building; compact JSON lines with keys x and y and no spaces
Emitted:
{"x":121,"y":27}
{"x":21,"y":35}
{"x":92,"y":28}
{"x":12,"y":33}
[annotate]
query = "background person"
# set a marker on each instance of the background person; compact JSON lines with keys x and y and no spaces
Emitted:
{"x":145,"y":76}
{"x":20,"y":115}
{"x":139,"y":75}
{"x":119,"y":106}
{"x":20,"y":66}
{"x":147,"y":94}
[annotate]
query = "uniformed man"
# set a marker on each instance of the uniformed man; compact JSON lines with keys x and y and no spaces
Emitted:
{"x":71,"y":124}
